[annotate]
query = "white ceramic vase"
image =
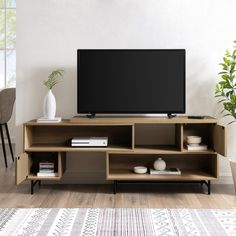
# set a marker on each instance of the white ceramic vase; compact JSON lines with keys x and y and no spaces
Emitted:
{"x":49,"y":105}
{"x":159,"y":164}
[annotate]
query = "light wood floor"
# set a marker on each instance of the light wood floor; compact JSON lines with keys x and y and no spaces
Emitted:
{"x":151,"y":196}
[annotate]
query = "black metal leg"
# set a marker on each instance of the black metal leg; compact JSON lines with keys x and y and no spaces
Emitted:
{"x":33,"y":183}
{"x":3,"y":145}
{"x":32,"y":187}
{"x":9,"y":141}
{"x":208,"y":184}
{"x":209,"y":187}
{"x":114,"y":186}
{"x":201,"y":183}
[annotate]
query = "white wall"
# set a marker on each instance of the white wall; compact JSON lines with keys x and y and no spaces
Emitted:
{"x":49,"y":32}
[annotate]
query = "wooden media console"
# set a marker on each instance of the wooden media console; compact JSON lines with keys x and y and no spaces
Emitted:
{"x":127,"y":147}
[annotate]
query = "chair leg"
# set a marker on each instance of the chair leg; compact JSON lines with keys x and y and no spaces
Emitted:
{"x":3,"y":145}
{"x":9,"y":141}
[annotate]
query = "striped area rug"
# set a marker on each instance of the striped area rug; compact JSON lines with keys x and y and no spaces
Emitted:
{"x":120,"y":222}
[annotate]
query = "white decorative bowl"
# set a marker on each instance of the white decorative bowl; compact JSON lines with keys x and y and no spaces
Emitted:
{"x":140,"y":169}
{"x":194,"y":139}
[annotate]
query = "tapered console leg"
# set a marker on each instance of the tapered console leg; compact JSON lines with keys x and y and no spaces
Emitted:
{"x":32,"y":184}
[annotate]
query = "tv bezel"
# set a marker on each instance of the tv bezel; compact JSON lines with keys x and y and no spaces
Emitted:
{"x":132,"y":112}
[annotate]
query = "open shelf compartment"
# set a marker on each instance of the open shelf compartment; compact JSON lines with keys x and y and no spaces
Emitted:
{"x":58,"y":138}
{"x":192,"y":166}
{"x":28,"y":163}
{"x":213,"y":135}
{"x":158,"y":137}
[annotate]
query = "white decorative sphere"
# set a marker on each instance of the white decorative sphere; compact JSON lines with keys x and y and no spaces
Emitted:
{"x":159,"y":164}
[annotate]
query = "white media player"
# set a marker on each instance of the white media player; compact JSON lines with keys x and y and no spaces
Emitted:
{"x":89,"y":142}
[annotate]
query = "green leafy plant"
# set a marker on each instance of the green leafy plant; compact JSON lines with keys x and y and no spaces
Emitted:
{"x":225,"y":89}
{"x":54,"y":78}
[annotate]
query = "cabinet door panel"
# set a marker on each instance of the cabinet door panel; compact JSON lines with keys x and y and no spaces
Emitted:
{"x":219,"y":139}
{"x":61,"y":163}
{"x":22,"y":167}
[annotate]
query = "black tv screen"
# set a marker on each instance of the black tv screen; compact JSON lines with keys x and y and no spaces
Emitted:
{"x":131,"y":81}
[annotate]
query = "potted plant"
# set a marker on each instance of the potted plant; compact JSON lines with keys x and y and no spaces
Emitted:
{"x":49,"y":105}
{"x":226,"y":92}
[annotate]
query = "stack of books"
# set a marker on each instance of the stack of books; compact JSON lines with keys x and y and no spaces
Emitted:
{"x":196,"y":147}
{"x":167,"y":171}
{"x":46,"y":169}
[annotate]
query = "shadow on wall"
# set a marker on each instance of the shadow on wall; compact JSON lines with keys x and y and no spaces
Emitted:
{"x":31,"y":93}
{"x":200,"y":89}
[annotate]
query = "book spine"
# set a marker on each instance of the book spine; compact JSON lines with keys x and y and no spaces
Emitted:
{"x":165,"y":173}
{"x":47,"y":174}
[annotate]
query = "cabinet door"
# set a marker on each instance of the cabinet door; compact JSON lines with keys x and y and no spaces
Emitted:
{"x":61,"y":163}
{"x":219,"y":139}
{"x":22,"y":167}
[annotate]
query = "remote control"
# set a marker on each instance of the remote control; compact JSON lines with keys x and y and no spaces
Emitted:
{"x":196,"y":117}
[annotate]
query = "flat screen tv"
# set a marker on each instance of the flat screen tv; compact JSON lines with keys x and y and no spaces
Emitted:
{"x":131,"y":81}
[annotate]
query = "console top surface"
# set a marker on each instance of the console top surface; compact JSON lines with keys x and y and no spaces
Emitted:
{"x":79,"y":120}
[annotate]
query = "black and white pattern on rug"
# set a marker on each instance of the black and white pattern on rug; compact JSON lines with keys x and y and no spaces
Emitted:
{"x":117,"y":222}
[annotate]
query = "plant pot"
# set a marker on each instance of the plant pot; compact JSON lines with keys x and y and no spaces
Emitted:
{"x":49,"y":105}
{"x":233,"y":169}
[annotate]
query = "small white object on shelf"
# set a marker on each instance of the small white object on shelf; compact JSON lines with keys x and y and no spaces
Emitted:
{"x":199,"y":147}
{"x":46,"y":171}
{"x":39,"y":174}
{"x":167,"y":171}
{"x":159,"y":164}
{"x":140,"y":169}
{"x":194,"y":139}
{"x":89,"y":142}
{"x":46,"y":120}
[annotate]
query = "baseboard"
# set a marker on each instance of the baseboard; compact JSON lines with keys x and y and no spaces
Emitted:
{"x":223,"y":180}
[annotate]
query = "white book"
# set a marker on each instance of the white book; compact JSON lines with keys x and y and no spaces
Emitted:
{"x":46,"y":171}
{"x":46,"y":163}
{"x":46,"y":120}
{"x":39,"y":174}
{"x":46,"y":166}
{"x":167,"y":171}
{"x":200,"y":147}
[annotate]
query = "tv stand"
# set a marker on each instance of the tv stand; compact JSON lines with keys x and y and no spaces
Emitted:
{"x":170,"y":115}
{"x":91,"y":115}
{"x":132,"y":141}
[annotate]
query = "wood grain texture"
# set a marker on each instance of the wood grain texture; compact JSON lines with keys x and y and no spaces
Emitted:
{"x":193,"y":167}
{"x":219,"y":139}
{"x":22,"y":168}
{"x":141,"y":120}
{"x":143,"y":136}
{"x":128,"y":196}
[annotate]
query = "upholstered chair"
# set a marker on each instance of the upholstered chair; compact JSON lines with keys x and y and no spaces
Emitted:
{"x":7,"y":99}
